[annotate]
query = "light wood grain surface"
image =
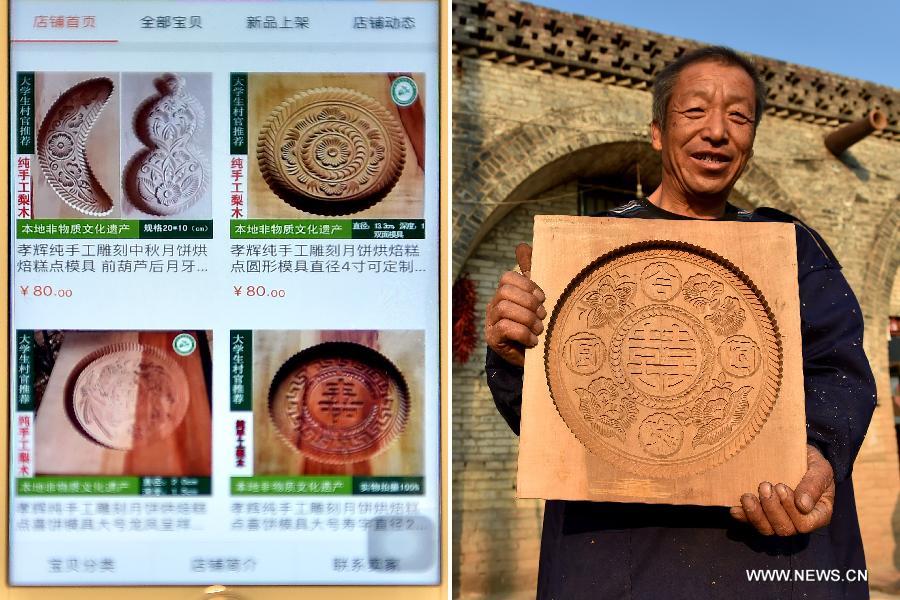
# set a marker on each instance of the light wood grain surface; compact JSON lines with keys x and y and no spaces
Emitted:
{"x":137,"y":89}
{"x":553,"y":464}
{"x":102,"y":145}
{"x":62,"y":448}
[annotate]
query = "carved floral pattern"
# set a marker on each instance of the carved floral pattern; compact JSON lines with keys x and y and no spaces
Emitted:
{"x":608,"y":411}
{"x":128,"y":395}
{"x":717,"y":411}
{"x":62,"y":146}
{"x":726,"y":317}
{"x":640,"y":401}
{"x":608,"y":301}
{"x":701,"y":289}
{"x":172,"y":174}
{"x":331,"y":151}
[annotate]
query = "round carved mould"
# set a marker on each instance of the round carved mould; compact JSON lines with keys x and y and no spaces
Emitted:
{"x":693,"y":365}
{"x":331,"y":151}
{"x":339,"y":402}
{"x":128,"y":395}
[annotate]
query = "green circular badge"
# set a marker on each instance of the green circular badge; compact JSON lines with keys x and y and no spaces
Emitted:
{"x":404,"y":91}
{"x":184,"y":344}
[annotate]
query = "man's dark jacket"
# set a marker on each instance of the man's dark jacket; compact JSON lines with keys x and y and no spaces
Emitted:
{"x":609,"y":550}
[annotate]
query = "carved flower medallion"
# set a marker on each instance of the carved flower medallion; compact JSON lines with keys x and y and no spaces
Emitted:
{"x":331,"y":151}
{"x":605,"y":409}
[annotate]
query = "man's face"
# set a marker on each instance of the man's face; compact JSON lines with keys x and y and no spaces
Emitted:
{"x":709,"y":131}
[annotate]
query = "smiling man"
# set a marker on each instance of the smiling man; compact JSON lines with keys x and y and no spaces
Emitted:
{"x":704,"y":121}
{"x":706,"y":109}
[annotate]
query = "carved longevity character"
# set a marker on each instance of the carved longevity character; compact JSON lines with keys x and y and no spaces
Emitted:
{"x":62,"y":146}
{"x":663,"y":358}
{"x":128,"y":395}
{"x":339,"y":402}
{"x":172,"y":173}
{"x":331,"y":151}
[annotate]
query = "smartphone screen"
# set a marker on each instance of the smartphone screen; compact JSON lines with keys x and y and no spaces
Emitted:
{"x":224,"y":273}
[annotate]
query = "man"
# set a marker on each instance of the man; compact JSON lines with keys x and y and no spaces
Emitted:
{"x":706,"y":108}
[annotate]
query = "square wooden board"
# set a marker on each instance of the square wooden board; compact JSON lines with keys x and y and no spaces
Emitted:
{"x":660,"y":433}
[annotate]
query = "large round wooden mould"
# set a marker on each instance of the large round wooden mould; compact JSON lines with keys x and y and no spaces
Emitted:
{"x":663,"y":358}
{"x":331,"y":151}
{"x":129,"y":395}
{"x":339,"y":402}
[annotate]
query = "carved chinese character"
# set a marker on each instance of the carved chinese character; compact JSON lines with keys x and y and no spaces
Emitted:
{"x":339,"y":402}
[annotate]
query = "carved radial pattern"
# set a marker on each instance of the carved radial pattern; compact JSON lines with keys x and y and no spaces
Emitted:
{"x":128,"y":395}
{"x":172,"y":173}
{"x":339,"y":402}
{"x":663,"y":358}
{"x":331,"y":151}
{"x":62,"y":146}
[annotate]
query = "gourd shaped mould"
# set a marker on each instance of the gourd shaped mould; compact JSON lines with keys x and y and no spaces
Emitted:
{"x":171,"y":174}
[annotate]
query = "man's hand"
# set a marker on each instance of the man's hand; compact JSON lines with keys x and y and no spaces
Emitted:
{"x":779,"y":510}
{"x":516,"y":312}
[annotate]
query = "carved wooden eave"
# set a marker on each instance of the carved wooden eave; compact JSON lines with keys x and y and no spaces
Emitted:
{"x":571,"y":45}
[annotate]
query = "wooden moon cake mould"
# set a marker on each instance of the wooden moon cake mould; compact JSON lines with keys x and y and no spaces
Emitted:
{"x":331,"y":151}
{"x":62,"y":146}
{"x":339,"y":403}
{"x":663,"y":358}
{"x":124,"y":396}
{"x":171,"y":174}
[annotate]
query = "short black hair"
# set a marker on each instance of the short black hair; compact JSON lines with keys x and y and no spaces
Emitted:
{"x":665,"y":80}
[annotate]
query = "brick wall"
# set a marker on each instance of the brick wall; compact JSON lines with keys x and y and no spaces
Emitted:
{"x":495,"y":537}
